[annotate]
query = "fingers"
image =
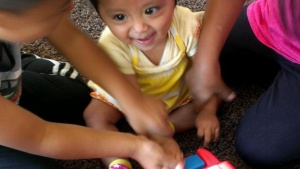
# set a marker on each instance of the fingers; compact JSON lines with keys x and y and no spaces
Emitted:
{"x":217,"y":133}
{"x":222,"y":91}
{"x":227,"y":94}
{"x":175,"y":166}
{"x":208,"y":135}
{"x":179,"y":164}
{"x":170,"y":165}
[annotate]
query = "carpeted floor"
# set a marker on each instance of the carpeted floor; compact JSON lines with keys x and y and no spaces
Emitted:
{"x":88,"y":20}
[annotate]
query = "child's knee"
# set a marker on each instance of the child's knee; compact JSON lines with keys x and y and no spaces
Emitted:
{"x":94,"y":112}
{"x":99,"y":113}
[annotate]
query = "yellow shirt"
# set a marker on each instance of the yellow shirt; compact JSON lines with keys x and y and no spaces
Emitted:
{"x":165,"y":80}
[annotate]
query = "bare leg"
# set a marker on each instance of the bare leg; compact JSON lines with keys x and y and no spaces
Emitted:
{"x":183,"y":118}
{"x":100,"y":115}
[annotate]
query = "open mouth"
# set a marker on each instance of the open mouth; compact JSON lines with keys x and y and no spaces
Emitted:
{"x":146,"y":40}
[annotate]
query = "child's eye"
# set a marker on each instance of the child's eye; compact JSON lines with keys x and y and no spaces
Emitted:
{"x":119,"y":17}
{"x":151,"y":10}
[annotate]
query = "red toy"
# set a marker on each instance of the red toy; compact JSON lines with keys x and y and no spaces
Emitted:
{"x":210,"y":161}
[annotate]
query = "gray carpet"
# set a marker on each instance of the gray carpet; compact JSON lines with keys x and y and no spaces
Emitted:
{"x":87,"y":19}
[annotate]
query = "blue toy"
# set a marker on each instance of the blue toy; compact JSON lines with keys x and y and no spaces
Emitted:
{"x":204,"y":159}
{"x":194,"y":162}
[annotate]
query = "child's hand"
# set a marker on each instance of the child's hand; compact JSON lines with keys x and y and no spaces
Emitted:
{"x":208,"y":128}
{"x":149,"y":117}
{"x":207,"y":122}
{"x":159,"y":152}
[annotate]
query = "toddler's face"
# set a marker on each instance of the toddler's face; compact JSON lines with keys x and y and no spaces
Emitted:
{"x":33,"y":23}
{"x":142,"y":23}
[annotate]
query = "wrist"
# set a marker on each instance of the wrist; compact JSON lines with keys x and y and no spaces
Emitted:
{"x":141,"y":144}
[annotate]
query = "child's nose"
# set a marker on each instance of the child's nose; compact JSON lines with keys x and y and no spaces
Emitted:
{"x":140,"y":25}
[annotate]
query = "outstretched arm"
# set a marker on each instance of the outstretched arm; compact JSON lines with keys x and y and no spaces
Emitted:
{"x":24,"y":131}
{"x":204,"y":78}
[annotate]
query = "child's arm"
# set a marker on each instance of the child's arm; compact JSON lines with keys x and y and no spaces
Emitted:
{"x":24,"y":131}
{"x":204,"y":78}
{"x":207,"y":122}
{"x":91,"y":61}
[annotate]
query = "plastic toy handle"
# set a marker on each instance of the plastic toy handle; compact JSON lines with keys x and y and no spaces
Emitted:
{"x":211,"y":161}
{"x":207,"y":157}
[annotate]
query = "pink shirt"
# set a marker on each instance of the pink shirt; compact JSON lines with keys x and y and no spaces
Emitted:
{"x":276,"y":23}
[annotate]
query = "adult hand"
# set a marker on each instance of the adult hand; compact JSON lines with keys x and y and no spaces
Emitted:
{"x":159,"y":153}
{"x":149,"y":117}
{"x":205,"y":81}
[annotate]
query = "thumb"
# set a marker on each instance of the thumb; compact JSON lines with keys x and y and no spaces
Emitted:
{"x":227,"y":94}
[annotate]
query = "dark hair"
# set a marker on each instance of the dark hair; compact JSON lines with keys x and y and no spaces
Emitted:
{"x":17,"y":6}
{"x":95,"y":4}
